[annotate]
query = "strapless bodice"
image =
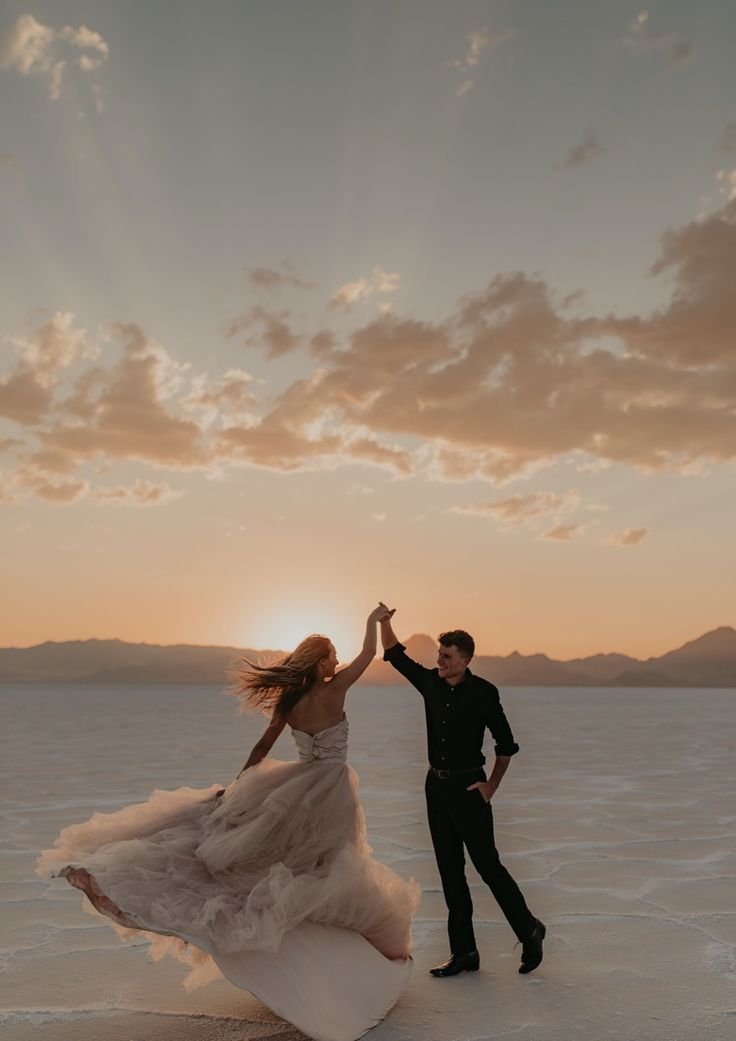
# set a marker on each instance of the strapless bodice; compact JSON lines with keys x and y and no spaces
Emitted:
{"x":328,"y":744}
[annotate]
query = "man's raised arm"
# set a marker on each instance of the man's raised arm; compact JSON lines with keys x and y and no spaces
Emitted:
{"x":395,"y":653}
{"x":388,"y":636}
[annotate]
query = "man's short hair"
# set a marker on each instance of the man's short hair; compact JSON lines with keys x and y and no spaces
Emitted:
{"x":460,"y":639}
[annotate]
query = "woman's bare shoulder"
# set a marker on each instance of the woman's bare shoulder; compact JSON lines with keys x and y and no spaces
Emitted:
{"x":318,"y":709}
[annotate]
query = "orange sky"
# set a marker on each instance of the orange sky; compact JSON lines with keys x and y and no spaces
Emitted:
{"x":268,"y":355}
{"x":311,"y":557}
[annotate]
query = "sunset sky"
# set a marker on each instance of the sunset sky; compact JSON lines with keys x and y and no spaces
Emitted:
{"x":307,"y":304}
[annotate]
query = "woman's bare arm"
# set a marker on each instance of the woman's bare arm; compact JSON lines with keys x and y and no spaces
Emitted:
{"x":346,"y":677}
{"x":265,"y":742}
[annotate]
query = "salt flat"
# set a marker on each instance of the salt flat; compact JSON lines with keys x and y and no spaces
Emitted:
{"x":617,"y":818}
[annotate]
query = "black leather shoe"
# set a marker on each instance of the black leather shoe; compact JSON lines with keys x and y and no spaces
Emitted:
{"x":458,"y":963}
{"x":531,"y":951}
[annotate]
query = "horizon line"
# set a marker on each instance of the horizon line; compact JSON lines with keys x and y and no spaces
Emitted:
{"x":280,"y":650}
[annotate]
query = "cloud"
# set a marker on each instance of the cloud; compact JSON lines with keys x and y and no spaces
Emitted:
{"x":61,"y":492}
{"x":518,"y":510}
{"x":502,"y":386}
{"x":34,"y":49}
{"x":286,"y":442}
{"x":589,"y":147}
{"x":140,"y":494}
{"x":727,"y":182}
{"x":478,"y":43}
{"x":482,"y":41}
{"x":26,"y":393}
{"x":264,"y":328}
{"x":564,"y":532}
{"x":142,"y":405}
{"x":8,"y":488}
{"x":127,"y":412}
{"x":727,"y":140}
{"x":323,"y":343}
{"x":641,"y":39}
{"x":317,"y":421}
{"x":46,"y":475}
{"x":33,"y":478}
{"x":23,"y":398}
{"x":228,"y":399}
{"x":27,"y":46}
{"x":56,"y":346}
{"x":369,"y":450}
{"x":378,"y":282}
{"x":132,"y":410}
{"x":629,"y":537}
{"x":49,"y":462}
{"x":508,"y":383}
{"x":531,"y":510}
{"x":691,"y":339}
{"x":85,"y":38}
{"x":268,"y":278}
{"x":275,"y":445}
{"x":592,"y":466}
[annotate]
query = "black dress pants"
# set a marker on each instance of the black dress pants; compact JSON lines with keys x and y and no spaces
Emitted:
{"x":459,"y":820}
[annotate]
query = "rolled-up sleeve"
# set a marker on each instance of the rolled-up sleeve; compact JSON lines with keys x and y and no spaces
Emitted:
{"x":497,"y":723}
{"x":411,"y":670}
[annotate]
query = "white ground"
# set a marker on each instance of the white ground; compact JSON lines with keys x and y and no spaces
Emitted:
{"x":618,"y":820}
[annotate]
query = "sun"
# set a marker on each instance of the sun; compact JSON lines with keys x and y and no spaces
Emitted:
{"x":283,"y":628}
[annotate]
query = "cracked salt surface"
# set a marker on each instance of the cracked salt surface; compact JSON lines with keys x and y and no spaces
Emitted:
{"x":617,"y":819}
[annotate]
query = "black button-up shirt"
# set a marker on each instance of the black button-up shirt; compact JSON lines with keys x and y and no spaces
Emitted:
{"x":456,"y":716}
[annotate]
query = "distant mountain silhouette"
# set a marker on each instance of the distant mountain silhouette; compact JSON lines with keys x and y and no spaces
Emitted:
{"x":113,"y":661}
{"x":709,"y":661}
{"x":603,"y":667}
{"x":712,"y":656}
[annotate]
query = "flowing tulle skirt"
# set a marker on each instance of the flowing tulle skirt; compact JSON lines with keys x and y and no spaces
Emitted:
{"x":271,"y":884}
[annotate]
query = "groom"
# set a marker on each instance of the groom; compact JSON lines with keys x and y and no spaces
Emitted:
{"x":458,"y":707}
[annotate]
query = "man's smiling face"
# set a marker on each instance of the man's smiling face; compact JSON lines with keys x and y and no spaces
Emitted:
{"x":450,"y":662}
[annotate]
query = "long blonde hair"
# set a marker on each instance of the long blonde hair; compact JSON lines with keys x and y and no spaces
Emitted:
{"x":280,"y":685}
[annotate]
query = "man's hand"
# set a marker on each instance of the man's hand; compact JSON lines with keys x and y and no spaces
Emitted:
{"x":486,"y":789}
{"x":388,"y":636}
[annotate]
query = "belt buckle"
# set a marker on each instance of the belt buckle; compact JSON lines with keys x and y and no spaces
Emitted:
{"x":443,"y":774}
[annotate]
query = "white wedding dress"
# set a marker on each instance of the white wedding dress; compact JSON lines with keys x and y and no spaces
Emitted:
{"x":270,"y":883}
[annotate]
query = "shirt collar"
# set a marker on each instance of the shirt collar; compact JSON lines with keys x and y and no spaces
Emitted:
{"x":466,"y":679}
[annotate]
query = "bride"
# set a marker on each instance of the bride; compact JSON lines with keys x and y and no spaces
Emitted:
{"x":270,"y":881}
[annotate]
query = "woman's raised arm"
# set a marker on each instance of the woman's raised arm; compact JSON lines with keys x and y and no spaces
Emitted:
{"x":346,"y":677}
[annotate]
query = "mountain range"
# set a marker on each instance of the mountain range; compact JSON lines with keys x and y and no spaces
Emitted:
{"x":708,"y":661}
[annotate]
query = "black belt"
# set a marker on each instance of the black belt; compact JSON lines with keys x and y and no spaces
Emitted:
{"x":455,"y":773}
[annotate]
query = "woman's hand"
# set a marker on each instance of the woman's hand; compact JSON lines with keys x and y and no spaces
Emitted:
{"x":380,"y":613}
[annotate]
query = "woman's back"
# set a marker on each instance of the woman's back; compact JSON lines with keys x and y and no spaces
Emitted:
{"x":321,"y":707}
